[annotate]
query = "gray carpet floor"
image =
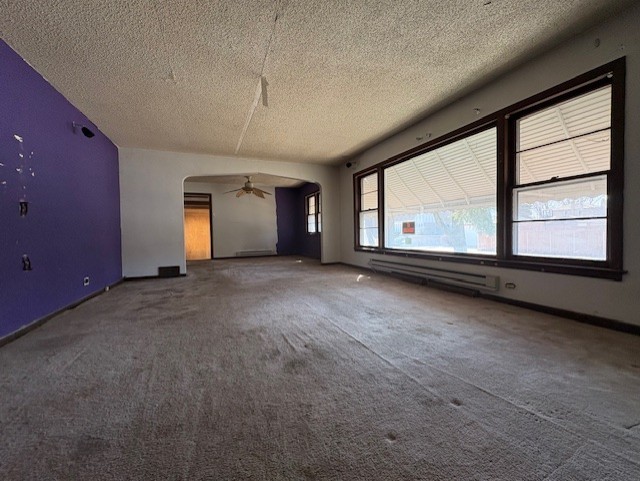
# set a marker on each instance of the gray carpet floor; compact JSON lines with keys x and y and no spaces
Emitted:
{"x":276,"y":369}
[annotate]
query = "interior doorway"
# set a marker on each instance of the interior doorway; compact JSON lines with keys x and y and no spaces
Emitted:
{"x":198,"y":235}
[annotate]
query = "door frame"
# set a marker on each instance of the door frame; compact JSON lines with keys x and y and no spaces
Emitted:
{"x":200,"y":200}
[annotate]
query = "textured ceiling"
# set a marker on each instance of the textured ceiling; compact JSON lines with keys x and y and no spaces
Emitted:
{"x":239,"y":180}
{"x":182,"y":75}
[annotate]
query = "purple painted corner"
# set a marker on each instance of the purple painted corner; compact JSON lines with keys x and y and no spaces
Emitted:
{"x":72,"y":226}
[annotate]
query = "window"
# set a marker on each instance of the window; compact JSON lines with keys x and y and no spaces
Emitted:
{"x":444,"y":200}
{"x":562,"y":162}
{"x":314,"y":219}
{"x":368,"y":211}
{"x":537,"y":185}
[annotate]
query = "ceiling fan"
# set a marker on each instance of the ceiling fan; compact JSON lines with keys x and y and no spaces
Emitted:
{"x":248,"y":188}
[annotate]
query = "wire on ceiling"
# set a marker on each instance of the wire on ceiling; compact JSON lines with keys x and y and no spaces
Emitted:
{"x":261,"y":88}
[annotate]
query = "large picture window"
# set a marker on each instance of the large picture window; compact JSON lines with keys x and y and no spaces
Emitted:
{"x":537,"y":185}
{"x":448,"y":196}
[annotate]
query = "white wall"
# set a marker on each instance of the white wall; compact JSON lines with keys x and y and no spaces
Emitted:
{"x":239,"y":224}
{"x":605,"y":298}
{"x":151,"y":195}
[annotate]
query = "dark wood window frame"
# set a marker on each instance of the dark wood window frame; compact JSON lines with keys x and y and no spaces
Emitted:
{"x":315,"y":195}
{"x":358,"y":208}
{"x":504,"y":121}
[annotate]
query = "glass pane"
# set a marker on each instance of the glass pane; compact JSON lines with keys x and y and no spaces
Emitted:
{"x":369,"y":228}
{"x":449,"y":194}
{"x":311,"y":205}
{"x":577,"y":116}
{"x":369,"y":183}
{"x":567,"y":239}
{"x":471,"y":230}
{"x":463,"y":173}
{"x":369,"y":237}
{"x":311,"y":223}
{"x":564,"y":200}
{"x":591,"y":153}
{"x":369,"y":219}
{"x":319,"y":222}
{"x":369,"y":201}
{"x":319,"y":203}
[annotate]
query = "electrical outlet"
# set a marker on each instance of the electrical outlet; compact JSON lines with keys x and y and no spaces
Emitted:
{"x":85,"y":281}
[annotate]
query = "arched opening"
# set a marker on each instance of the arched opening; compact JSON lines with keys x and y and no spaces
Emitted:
{"x":249,"y":215}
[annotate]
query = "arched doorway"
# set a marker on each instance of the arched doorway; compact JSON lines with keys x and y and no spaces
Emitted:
{"x":273,"y":221}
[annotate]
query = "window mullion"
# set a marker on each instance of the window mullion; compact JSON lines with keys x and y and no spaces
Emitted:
{"x":503,"y":241}
{"x":381,"y":225}
{"x":615,"y":180}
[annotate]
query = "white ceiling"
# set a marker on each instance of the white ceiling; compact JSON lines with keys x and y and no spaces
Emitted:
{"x":182,"y":75}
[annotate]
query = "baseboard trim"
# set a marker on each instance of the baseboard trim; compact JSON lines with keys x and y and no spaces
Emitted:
{"x":575,"y":316}
{"x":355,"y":266}
{"x":146,"y":278}
{"x":226,"y":258}
{"x":43,"y":320}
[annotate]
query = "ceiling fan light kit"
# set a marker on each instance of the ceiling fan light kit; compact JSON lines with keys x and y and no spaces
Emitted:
{"x":248,"y":188}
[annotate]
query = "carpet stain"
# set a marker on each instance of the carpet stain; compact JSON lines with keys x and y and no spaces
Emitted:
{"x":295,"y":366}
{"x":271,"y":355}
{"x":309,"y":472}
{"x":88,"y":447}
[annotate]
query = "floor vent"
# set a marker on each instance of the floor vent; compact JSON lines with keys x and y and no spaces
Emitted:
{"x":437,"y":275}
{"x":266,"y":252}
{"x":169,"y":271}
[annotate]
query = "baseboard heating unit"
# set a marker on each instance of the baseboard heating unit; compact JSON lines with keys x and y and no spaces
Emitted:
{"x":255,"y":253}
{"x":437,"y":275}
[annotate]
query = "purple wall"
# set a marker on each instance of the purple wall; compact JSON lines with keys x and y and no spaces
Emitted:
{"x":293,"y":238}
{"x":286,"y":214}
{"x":72,"y":228}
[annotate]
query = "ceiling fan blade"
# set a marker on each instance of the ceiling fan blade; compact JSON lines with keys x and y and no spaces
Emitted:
{"x":240,"y":193}
{"x":258,"y":192}
{"x":261,"y":191}
{"x":229,"y":191}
